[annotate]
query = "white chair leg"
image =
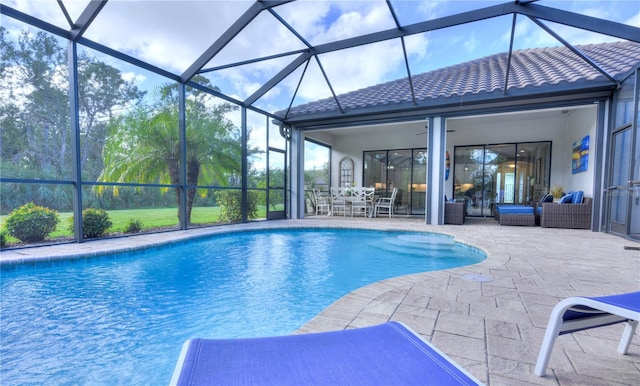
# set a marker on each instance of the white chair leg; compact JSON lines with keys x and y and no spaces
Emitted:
{"x":550,"y":335}
{"x":627,"y":335}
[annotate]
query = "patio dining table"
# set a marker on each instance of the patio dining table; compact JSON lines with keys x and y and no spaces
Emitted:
{"x":354,"y":194}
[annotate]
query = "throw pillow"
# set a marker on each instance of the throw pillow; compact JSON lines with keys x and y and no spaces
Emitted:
{"x":567,"y":198}
{"x":578,"y":197}
{"x":547,"y":198}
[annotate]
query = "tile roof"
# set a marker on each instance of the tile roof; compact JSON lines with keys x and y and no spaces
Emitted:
{"x":532,"y":71}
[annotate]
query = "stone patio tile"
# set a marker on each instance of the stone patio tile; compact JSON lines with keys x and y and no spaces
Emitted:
{"x":447,"y":305}
{"x":365,"y":319}
{"x":606,"y":345}
{"x":396,"y":295}
{"x":476,"y":368}
{"x":489,"y":310}
{"x":503,"y":329}
{"x":416,"y":300}
{"x":511,"y":305}
{"x":380,"y":307}
{"x":604,"y":367}
{"x":499,"y":292}
{"x":461,"y":346}
{"x":511,"y":349}
{"x":501,"y":282}
{"x":468,"y":326}
{"x":418,"y":311}
{"x":572,"y":379}
{"x":504,"y":371}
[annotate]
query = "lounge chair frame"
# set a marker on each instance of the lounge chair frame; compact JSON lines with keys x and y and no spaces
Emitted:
{"x":582,"y":313}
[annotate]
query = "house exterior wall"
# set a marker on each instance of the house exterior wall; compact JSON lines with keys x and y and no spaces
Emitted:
{"x":579,"y":125}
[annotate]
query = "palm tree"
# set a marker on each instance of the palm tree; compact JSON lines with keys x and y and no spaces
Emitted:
{"x":144,"y":145}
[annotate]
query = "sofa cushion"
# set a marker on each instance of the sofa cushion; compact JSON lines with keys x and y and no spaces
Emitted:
{"x":577,"y":197}
{"x":515,"y":209}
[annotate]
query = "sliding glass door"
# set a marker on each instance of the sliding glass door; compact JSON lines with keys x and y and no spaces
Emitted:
{"x":404,"y":169}
{"x":486,"y":175}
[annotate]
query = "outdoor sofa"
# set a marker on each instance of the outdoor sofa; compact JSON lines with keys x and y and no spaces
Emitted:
{"x":572,"y":215}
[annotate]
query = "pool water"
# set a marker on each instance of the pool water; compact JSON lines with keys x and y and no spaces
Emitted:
{"x":123,"y":319}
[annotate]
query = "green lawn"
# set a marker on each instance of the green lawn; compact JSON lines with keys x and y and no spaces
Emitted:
{"x":150,"y":218}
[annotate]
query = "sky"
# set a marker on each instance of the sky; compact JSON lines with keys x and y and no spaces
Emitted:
{"x":173,"y":34}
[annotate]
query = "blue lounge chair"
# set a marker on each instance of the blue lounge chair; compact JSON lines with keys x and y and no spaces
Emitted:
{"x":582,"y":313}
{"x":386,"y":354}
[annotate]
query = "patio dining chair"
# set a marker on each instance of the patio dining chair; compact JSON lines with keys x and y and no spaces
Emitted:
{"x":338,"y":201}
{"x":386,"y":203}
{"x":370,"y":196}
{"x":322,"y":203}
{"x":359,"y":202}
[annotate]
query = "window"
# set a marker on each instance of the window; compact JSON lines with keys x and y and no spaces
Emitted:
{"x":346,"y":172}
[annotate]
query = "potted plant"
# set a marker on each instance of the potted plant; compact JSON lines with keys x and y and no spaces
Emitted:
{"x":557,"y":191}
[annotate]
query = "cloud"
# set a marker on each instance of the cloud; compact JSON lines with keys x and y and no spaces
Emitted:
{"x":136,"y":78}
{"x":634,"y":20}
{"x":471,"y":44}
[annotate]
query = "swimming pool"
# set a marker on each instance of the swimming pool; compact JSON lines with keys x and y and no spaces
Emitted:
{"x":123,"y":319}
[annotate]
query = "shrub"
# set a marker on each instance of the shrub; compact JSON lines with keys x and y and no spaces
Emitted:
{"x":30,"y":223}
{"x":94,"y":223}
{"x":231,"y":208}
{"x":3,"y":238}
{"x":133,"y":226}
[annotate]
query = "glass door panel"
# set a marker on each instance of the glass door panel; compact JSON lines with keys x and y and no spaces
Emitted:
{"x":618,"y":190}
{"x":532,"y":179}
{"x":399,"y":176}
{"x":469,"y":177}
{"x":375,"y":170}
{"x":418,"y":196}
{"x":499,"y":177}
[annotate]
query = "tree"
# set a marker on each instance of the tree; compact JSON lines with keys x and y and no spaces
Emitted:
{"x":101,"y":91}
{"x":144,"y":145}
{"x":34,"y":113}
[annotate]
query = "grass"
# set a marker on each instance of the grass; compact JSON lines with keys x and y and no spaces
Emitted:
{"x":155,"y":218}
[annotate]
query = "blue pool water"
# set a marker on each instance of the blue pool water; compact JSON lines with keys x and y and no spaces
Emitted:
{"x":122,"y":320}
